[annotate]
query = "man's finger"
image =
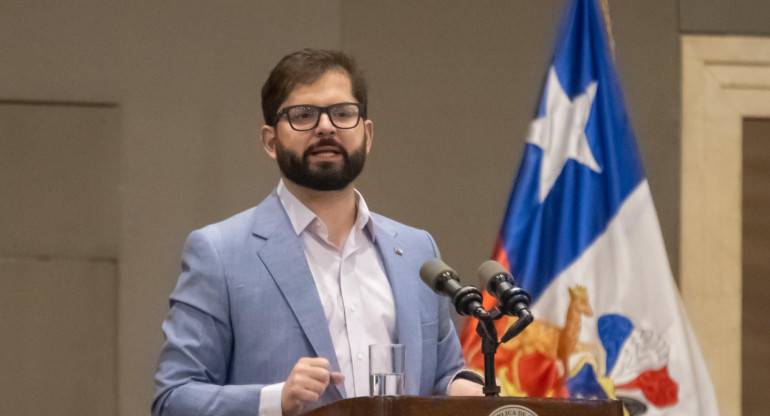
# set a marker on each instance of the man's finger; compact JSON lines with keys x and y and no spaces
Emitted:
{"x":313,"y":383}
{"x":319,"y":374}
{"x":314,"y":362}
{"x":337,"y":377}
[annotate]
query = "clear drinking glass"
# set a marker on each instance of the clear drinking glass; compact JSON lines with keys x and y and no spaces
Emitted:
{"x":386,"y":369}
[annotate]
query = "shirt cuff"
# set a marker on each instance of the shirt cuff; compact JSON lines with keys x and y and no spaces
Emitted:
{"x":270,"y":400}
{"x":465,"y":374}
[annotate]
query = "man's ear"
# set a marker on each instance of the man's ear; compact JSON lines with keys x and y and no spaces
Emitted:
{"x":268,"y":140}
{"x":368,"y":134}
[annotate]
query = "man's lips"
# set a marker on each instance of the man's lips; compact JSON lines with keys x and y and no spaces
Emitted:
{"x":325,"y":151}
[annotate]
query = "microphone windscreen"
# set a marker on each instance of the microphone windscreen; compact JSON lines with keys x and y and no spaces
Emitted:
{"x":487,"y":270}
{"x":431,"y":270}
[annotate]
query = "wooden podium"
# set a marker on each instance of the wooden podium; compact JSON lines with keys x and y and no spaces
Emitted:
{"x":468,"y":406}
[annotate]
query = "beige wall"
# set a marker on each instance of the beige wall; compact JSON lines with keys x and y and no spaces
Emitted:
{"x":58,"y":251}
{"x":453,"y":87}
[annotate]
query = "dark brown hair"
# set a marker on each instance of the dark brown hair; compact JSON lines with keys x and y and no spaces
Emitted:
{"x":304,"y":67}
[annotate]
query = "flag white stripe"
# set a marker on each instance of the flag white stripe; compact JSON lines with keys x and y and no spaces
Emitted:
{"x":626,"y":271}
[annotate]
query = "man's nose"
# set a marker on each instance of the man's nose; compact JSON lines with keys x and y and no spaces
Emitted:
{"x":325,"y":124}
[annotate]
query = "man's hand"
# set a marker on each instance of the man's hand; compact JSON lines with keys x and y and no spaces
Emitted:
{"x":305,"y":384}
{"x":463,"y":387}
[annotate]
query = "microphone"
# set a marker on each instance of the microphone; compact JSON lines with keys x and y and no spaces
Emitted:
{"x":445,"y":281}
{"x":499,"y":283}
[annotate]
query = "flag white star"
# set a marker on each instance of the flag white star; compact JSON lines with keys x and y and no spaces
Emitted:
{"x":561,"y":132}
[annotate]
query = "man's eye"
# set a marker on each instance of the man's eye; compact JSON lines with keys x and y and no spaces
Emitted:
{"x":342,"y":114}
{"x":303,"y":114}
{"x":345,"y":112}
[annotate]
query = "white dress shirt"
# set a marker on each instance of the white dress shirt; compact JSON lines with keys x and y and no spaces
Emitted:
{"x":354,"y":290}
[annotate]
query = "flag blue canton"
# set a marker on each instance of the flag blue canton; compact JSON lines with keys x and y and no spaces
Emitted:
{"x":541,"y":239}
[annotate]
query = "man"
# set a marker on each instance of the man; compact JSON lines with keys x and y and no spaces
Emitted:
{"x":275,"y":307}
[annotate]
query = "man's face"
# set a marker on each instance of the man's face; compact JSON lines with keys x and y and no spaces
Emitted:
{"x":324,"y":158}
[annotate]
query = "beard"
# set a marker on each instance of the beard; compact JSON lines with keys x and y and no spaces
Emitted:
{"x":325,"y":176}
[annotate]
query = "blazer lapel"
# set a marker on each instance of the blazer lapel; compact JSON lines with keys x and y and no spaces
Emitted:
{"x":395,"y":259}
{"x":285,"y":259}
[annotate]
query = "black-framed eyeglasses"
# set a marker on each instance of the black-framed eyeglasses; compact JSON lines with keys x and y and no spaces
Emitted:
{"x":305,"y":117}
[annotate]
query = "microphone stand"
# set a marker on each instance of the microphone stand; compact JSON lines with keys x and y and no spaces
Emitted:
{"x":489,"y":343}
{"x":488,"y":333}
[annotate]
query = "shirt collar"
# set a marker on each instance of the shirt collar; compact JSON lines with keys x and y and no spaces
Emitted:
{"x":301,"y":216}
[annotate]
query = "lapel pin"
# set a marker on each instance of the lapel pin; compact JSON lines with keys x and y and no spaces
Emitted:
{"x":399,"y":251}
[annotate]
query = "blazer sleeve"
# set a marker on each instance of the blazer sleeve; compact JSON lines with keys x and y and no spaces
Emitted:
{"x":191,"y":377}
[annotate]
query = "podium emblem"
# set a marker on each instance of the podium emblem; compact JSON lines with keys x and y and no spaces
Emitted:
{"x":512,"y":410}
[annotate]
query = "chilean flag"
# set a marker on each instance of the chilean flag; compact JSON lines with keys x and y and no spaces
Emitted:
{"x":581,"y":235}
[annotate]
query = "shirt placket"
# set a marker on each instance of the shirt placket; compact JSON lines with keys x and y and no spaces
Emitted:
{"x":355,"y":319}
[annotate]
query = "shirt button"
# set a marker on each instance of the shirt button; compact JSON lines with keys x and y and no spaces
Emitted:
{"x":360,"y":356}
{"x":353,"y":308}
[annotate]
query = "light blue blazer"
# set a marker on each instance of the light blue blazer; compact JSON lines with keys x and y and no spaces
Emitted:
{"x":245,"y":309}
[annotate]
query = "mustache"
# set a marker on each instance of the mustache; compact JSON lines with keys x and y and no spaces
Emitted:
{"x":325,"y":142}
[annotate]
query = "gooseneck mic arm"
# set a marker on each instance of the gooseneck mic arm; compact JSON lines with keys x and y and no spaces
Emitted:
{"x":525,"y":318}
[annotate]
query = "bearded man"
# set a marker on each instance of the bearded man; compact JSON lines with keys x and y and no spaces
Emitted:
{"x":275,"y":307}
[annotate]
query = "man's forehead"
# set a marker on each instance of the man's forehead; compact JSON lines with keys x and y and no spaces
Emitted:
{"x":333,"y":82}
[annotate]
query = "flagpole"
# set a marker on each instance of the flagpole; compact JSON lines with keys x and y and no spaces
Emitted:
{"x":608,"y":25}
